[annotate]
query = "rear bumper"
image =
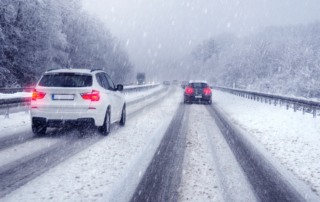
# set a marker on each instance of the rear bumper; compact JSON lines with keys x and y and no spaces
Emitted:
{"x":62,"y":123}
{"x":54,"y":119}
{"x":205,"y":98}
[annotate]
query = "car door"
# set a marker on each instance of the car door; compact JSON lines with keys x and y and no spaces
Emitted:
{"x":118,"y":96}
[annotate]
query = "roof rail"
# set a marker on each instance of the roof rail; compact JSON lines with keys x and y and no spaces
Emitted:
{"x":92,"y":70}
{"x":51,"y":70}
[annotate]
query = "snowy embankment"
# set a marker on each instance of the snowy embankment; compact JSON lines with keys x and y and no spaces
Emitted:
{"x":15,"y":95}
{"x":137,"y":95}
{"x":96,"y":171}
{"x":289,"y":136}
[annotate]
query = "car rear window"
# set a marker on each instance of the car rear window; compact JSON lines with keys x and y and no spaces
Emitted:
{"x":66,"y":80}
{"x":198,"y":85}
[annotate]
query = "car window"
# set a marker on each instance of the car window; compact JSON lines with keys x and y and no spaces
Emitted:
{"x":100,"y":80}
{"x":66,"y":80}
{"x":198,"y":85}
{"x":103,"y":81}
{"x":111,"y":84}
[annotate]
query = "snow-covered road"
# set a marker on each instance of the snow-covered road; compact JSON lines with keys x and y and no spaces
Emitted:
{"x":167,"y":150}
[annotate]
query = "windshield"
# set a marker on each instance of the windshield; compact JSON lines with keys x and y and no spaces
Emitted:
{"x":54,"y":80}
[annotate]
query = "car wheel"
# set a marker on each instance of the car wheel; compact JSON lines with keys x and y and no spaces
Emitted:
{"x":123,"y":116}
{"x":105,"y":129}
{"x":39,"y":129}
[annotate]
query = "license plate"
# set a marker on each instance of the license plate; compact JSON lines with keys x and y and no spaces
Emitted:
{"x":62,"y":97}
{"x":199,"y":96}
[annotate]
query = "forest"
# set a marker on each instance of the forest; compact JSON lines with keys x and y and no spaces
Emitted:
{"x":38,"y":35}
{"x":278,"y":59}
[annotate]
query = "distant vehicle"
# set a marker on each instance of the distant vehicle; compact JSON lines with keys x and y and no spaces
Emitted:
{"x":166,"y":83}
{"x":141,"y":77}
{"x":77,"y":97}
{"x":184,"y":84}
{"x":198,"y":91}
{"x":175,"y":82}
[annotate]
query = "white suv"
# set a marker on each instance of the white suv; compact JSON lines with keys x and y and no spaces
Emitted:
{"x":79,"y":97}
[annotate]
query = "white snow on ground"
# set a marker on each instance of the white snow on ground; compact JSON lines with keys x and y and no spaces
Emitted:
{"x":90,"y":174}
{"x":289,"y":136}
{"x":199,"y":177}
{"x":210,"y":172}
{"x":19,"y":151}
{"x":15,"y":95}
{"x":15,"y":120}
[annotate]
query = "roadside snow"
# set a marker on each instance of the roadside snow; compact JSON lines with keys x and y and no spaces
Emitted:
{"x":289,"y":136}
{"x":15,"y":95}
{"x":92,"y":173}
{"x":137,"y":95}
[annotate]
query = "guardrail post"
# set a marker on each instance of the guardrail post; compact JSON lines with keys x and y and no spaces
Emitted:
{"x":269,"y":101}
{"x":303,"y":110}
{"x":314,"y":112}
{"x":275,"y":102}
{"x":294,"y":107}
{"x":6,"y":115}
{"x":287,"y":105}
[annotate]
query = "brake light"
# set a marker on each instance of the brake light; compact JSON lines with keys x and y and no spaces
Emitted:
{"x":207,"y":91}
{"x":93,"y":96}
{"x":189,"y":91}
{"x":37,"y":95}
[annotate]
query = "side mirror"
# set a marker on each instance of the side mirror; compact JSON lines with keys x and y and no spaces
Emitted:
{"x":119,"y":87}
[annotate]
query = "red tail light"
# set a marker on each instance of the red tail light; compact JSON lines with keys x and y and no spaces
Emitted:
{"x":37,"y":95}
{"x":93,"y":96}
{"x":189,"y":91}
{"x":207,"y":91}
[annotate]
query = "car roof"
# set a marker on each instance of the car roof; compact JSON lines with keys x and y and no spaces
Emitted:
{"x":74,"y":70}
{"x":198,"y":81}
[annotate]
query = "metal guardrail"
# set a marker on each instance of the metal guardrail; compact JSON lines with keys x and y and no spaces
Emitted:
{"x":8,"y":103}
{"x":297,"y":104}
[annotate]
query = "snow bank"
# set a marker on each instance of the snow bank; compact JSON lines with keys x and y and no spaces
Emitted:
{"x":15,"y":95}
{"x":289,"y":136}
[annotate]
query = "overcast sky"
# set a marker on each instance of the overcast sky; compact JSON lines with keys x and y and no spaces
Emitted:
{"x":157,"y":32}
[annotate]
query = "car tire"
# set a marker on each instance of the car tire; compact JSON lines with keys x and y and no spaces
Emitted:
{"x":105,"y":128}
{"x":39,"y":129}
{"x":123,"y":116}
